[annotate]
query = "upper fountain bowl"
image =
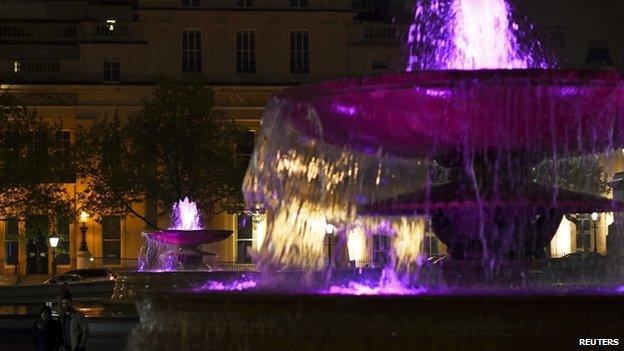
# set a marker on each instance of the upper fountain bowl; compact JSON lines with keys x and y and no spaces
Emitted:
{"x":189,"y":237}
{"x":435,"y":113}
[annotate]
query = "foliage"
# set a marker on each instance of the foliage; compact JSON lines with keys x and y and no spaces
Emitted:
{"x":575,"y":173}
{"x":31,"y":168}
{"x":177,"y":146}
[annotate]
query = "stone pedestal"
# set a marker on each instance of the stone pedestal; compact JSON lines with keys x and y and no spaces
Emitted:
{"x":83,"y":259}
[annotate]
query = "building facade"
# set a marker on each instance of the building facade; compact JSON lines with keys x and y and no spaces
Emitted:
{"x":79,"y":61}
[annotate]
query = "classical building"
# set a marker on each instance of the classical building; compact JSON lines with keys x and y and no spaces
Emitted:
{"x":81,"y":60}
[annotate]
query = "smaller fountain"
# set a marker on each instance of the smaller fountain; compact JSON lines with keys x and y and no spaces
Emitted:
{"x":181,"y":246}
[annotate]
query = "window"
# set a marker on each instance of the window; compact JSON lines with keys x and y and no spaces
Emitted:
{"x":381,"y":33}
{"x":583,"y":235}
{"x":244,"y":149}
{"x":245,"y":3}
{"x":190,"y":3}
{"x":17,"y":66}
{"x":191,"y":51}
{"x":299,"y":56}
{"x":111,"y":69}
{"x":244,"y":240}
{"x":381,"y":250}
{"x":111,"y":239}
{"x":40,"y":66}
{"x":62,"y":250}
{"x":246,"y":51}
{"x":380,"y":64}
{"x":62,"y":138}
{"x":11,"y":243}
{"x":298,"y":3}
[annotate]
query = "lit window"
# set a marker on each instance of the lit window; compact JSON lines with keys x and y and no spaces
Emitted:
{"x":111,"y":24}
{"x":299,"y":54}
{"x":111,"y":69}
{"x":246,"y":51}
{"x":17,"y":66}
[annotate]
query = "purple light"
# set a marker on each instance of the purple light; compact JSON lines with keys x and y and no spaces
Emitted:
{"x":466,"y":35}
{"x":237,"y":285}
{"x":345,"y":110}
{"x":355,"y":288}
{"x":185,"y":216}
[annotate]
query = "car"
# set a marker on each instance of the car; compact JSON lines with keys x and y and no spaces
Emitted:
{"x":63,"y":278}
{"x":95,"y":274}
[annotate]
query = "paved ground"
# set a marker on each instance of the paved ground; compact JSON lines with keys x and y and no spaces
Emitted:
{"x":23,"y":342}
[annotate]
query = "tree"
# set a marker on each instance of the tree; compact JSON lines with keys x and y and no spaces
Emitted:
{"x":178,"y":146}
{"x":32,"y":172}
{"x":31,"y":168}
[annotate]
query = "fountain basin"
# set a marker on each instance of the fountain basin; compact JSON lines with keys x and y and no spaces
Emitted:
{"x":436,"y":113}
{"x":189,"y":237}
{"x":242,"y":321}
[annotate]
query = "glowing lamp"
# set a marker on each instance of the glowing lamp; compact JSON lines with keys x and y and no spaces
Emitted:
{"x":594,"y":216}
{"x":54,"y":240}
{"x":83,"y":217}
{"x":329,"y":229}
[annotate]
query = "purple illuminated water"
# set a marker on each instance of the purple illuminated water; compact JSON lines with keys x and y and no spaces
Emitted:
{"x":466,"y":35}
{"x":185,"y":216}
{"x":181,"y":246}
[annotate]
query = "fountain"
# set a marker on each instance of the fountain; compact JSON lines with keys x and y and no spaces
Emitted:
{"x":458,"y":141}
{"x":180,"y":246}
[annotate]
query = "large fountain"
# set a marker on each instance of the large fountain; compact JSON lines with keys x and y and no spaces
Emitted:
{"x":461,"y":140}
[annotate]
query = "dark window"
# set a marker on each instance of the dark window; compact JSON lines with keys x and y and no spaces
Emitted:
{"x":191,"y":51}
{"x":190,"y":3}
{"x":381,"y":250}
{"x":298,"y":3}
{"x":38,"y":232}
{"x":583,"y":235}
{"x":11,"y":243}
{"x":299,"y":55}
{"x":380,"y":64}
{"x":244,"y":240}
{"x":111,"y":69}
{"x":245,"y":3}
{"x":62,"y":250}
{"x":111,"y":239}
{"x":245,"y":147}
{"x":246,"y":51}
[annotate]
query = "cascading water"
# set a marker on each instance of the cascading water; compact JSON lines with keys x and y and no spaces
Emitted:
{"x":467,"y":35}
{"x":359,"y":171}
{"x":458,"y":147}
{"x":181,"y":246}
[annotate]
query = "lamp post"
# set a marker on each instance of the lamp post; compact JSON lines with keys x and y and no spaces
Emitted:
{"x":329,"y":235}
{"x":54,"y":240}
{"x":83,"y":255}
{"x":595,"y":218}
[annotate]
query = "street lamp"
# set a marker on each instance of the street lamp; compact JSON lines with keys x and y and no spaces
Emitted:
{"x":54,"y":240}
{"x":595,"y":218}
{"x":83,"y":230}
{"x":329,"y":234}
{"x":83,"y":255}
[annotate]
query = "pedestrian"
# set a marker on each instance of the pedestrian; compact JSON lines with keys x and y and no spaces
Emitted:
{"x":74,"y":325}
{"x":48,"y":335}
